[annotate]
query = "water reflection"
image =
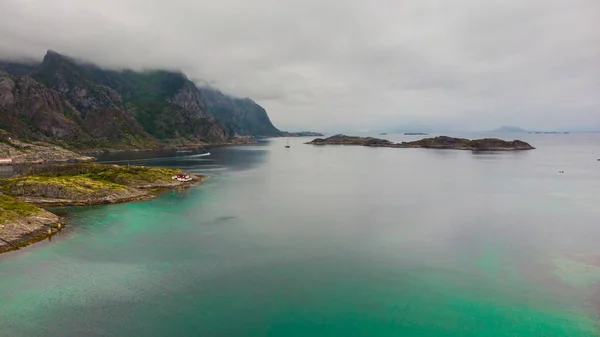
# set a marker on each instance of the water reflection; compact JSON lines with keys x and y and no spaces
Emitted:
{"x":199,"y":160}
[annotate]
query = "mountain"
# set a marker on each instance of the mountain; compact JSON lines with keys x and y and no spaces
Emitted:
{"x":17,"y":68}
{"x":31,"y":111}
{"x":77,"y":104}
{"x":241,"y":116}
{"x":509,"y":129}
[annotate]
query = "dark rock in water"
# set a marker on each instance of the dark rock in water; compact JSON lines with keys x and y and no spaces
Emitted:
{"x":485,"y":144}
{"x":441,"y":142}
{"x":349,"y":140}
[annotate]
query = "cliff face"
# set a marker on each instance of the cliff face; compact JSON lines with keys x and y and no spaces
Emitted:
{"x":31,"y":111}
{"x":241,"y":116}
{"x":81,"y":105}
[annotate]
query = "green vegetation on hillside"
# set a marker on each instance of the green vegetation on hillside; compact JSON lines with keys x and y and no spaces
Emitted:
{"x":84,"y":181}
{"x":11,"y":208}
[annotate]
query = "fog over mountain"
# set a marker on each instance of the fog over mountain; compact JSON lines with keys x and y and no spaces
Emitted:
{"x":346,"y":65}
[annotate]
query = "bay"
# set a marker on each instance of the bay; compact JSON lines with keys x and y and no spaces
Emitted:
{"x":328,"y":241}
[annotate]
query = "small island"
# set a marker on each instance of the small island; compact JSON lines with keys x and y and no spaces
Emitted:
{"x":440,"y":142}
{"x":415,"y":134}
{"x":23,"y":222}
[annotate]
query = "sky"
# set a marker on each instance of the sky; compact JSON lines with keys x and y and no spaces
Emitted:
{"x":329,"y":65}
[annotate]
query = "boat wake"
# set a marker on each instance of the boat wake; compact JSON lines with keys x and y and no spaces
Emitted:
{"x":201,"y":155}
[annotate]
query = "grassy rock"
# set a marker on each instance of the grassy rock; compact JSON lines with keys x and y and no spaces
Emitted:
{"x":22,"y":223}
{"x":90,"y":183}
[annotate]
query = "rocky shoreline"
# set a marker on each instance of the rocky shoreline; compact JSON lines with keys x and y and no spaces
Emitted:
{"x":23,"y":222}
{"x":440,"y":142}
{"x":141,"y":192}
{"x":26,"y":230}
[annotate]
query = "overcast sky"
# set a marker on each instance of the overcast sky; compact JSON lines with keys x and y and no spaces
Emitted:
{"x":344,"y":64}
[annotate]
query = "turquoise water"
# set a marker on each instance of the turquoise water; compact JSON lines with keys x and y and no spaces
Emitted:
{"x":329,"y":241}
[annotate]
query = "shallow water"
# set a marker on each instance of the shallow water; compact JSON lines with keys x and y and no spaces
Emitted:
{"x":329,"y":241}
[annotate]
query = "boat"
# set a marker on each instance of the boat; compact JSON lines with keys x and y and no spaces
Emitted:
{"x":287,"y":146}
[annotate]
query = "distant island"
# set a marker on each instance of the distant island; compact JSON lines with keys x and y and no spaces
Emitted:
{"x":514,"y":129}
{"x":383,"y":134}
{"x":441,"y":142}
{"x":509,"y":129}
{"x":415,"y":134}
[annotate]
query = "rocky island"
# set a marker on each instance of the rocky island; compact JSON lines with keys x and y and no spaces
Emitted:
{"x":440,"y":142}
{"x":22,"y":221}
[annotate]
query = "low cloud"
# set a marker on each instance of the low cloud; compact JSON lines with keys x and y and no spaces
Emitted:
{"x":336,"y":64}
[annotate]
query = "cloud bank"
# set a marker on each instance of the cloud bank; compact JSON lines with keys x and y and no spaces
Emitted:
{"x":346,"y":64}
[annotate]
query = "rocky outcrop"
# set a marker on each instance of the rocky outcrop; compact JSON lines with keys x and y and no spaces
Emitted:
{"x":441,"y":142}
{"x":485,"y":144}
{"x":89,"y":184}
{"x":350,"y":140}
{"x":22,"y":224}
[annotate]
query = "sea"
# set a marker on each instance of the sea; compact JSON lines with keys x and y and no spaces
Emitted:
{"x":313,"y":241}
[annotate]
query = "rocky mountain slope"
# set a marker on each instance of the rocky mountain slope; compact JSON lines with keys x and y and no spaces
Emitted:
{"x":79,"y":105}
{"x":37,"y":152}
{"x":241,"y":116}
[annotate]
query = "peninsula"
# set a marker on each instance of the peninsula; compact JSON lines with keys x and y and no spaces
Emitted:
{"x":23,"y":222}
{"x":440,"y":142}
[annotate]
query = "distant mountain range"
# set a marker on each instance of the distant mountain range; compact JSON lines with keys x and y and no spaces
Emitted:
{"x":509,"y":129}
{"x":79,"y":105}
{"x":514,"y":129}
